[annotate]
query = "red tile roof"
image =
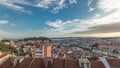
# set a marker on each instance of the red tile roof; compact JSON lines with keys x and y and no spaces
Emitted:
{"x":114,"y":62}
{"x":24,"y":63}
{"x":38,"y":63}
{"x":7,"y":64}
{"x":71,"y":63}
{"x":57,"y":63}
{"x":96,"y":64}
{"x":3,"y":55}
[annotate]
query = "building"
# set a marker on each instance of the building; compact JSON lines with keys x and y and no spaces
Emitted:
{"x":96,"y":64}
{"x":55,"y":63}
{"x":114,"y":63}
{"x":84,"y":63}
{"x":110,"y":62}
{"x":41,"y":51}
{"x":4,"y":57}
{"x":48,"y":51}
{"x":38,"y":51}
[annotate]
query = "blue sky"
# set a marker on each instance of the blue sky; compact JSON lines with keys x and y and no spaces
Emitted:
{"x":59,"y":18}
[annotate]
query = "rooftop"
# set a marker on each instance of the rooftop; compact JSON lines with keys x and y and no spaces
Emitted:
{"x":56,"y":63}
{"x":114,"y":62}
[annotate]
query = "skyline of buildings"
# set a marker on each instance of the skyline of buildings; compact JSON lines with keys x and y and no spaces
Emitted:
{"x":62,"y":53}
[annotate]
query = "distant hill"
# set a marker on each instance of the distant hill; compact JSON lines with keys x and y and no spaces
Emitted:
{"x":36,"y":38}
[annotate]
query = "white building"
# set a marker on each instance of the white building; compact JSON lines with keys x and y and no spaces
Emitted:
{"x":84,"y":63}
{"x":39,"y":52}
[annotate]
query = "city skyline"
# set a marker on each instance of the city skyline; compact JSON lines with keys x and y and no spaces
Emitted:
{"x":59,"y":18}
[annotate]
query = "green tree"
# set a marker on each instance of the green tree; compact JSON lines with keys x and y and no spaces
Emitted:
{"x":93,"y":58}
{"x":115,"y":51}
{"x":94,"y":45}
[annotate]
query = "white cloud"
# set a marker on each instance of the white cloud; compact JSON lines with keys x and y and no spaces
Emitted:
{"x":111,"y":15}
{"x":109,"y":5}
{"x":54,"y":5}
{"x":56,"y":24}
{"x":44,"y":3}
{"x":89,"y":6}
{"x":15,"y":35}
{"x":66,"y":26}
{"x":4,"y":21}
{"x":10,"y":4}
{"x":89,"y":2}
{"x":72,"y":1}
{"x":61,"y":4}
{"x":91,"y":9}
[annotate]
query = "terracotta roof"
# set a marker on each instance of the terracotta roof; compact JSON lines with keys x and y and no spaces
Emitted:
{"x":114,"y":62}
{"x":3,"y":55}
{"x":7,"y":64}
{"x":96,"y":64}
{"x":71,"y":63}
{"x":57,"y":63}
{"x":24,"y":63}
{"x":38,"y":63}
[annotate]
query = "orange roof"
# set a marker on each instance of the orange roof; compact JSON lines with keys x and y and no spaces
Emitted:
{"x":3,"y":55}
{"x":24,"y":63}
{"x":71,"y":63}
{"x":57,"y":63}
{"x":7,"y":64}
{"x":114,"y":62}
{"x":38,"y":63}
{"x":96,"y":64}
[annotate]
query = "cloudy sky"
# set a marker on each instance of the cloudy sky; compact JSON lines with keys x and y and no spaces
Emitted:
{"x":59,"y":18}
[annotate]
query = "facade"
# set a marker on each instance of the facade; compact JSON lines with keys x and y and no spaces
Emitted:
{"x":41,"y":51}
{"x":38,"y":51}
{"x":84,"y":63}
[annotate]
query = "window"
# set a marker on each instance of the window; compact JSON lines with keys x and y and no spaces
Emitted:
{"x":82,"y":65}
{"x":88,"y":65}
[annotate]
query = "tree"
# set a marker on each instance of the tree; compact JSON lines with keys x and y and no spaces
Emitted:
{"x":93,"y":58}
{"x":7,"y":48}
{"x":58,"y":46}
{"x":115,"y":51}
{"x":22,"y":46}
{"x":94,"y":45}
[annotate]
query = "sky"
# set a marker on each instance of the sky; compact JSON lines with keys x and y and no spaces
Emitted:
{"x":59,"y":18}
